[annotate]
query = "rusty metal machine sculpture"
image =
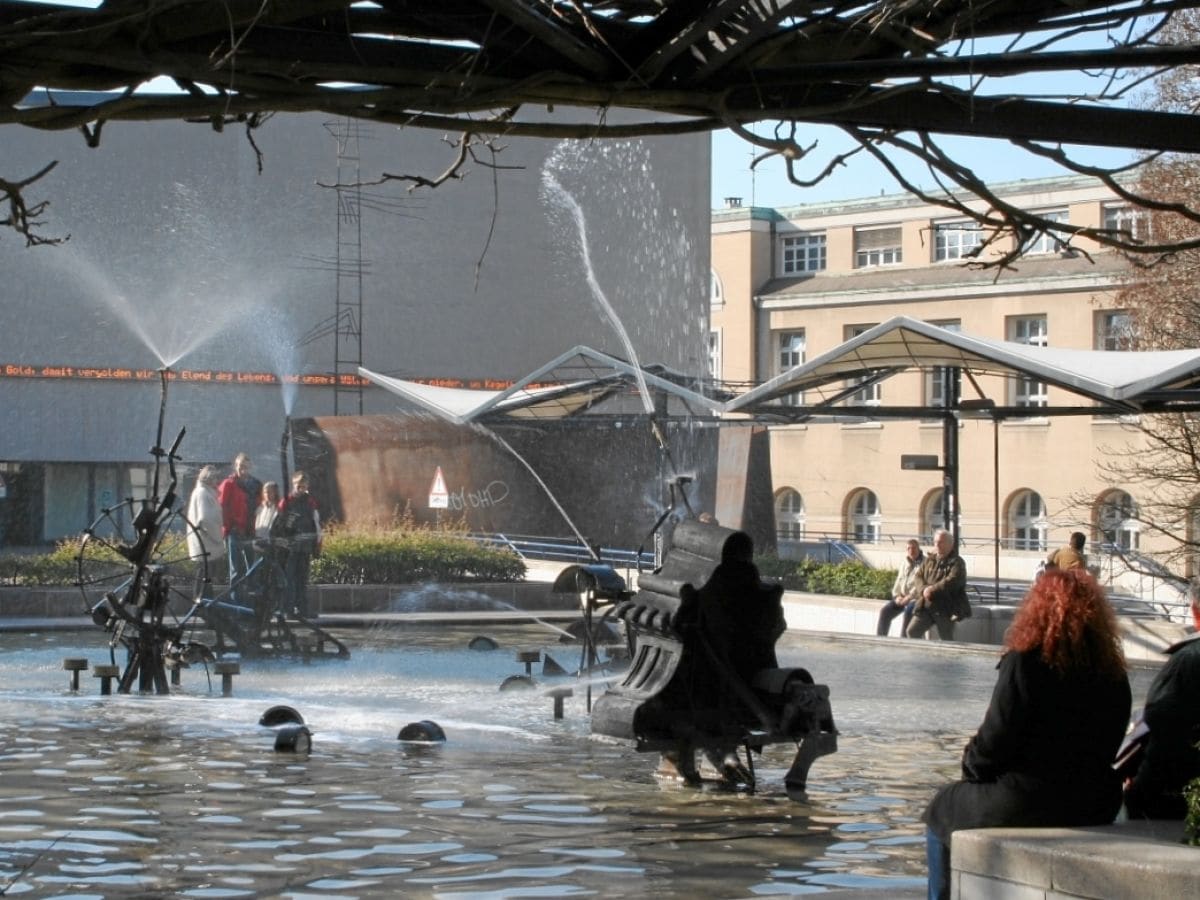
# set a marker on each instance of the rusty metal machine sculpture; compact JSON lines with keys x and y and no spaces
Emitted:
{"x":681,"y":694}
{"x":143,"y":572}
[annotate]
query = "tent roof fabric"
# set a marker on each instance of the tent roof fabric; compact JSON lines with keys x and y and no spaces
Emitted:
{"x":580,"y":378}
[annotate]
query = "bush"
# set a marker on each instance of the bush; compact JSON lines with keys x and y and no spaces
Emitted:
{"x":404,"y":556}
{"x":1191,"y":821}
{"x":846,"y":579}
{"x":377,"y":556}
{"x":57,"y":568}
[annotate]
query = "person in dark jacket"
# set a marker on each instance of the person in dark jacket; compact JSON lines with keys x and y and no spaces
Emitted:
{"x":1172,"y":715}
{"x":942,"y":600}
{"x":1043,"y":755}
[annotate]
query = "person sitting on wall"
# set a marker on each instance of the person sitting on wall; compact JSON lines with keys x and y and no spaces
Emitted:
{"x":1172,"y":715}
{"x":943,"y":599}
{"x":1043,"y":756}
{"x":905,"y":590}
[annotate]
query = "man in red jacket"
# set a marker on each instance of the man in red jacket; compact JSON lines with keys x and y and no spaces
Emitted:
{"x":238,"y":495}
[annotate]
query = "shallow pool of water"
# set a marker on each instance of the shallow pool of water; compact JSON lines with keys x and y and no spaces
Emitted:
{"x":185,"y":796}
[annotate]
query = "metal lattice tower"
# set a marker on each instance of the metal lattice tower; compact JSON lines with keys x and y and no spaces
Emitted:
{"x":349,"y":269}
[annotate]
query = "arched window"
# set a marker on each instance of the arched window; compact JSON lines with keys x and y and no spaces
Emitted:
{"x":789,"y":515}
{"x":1027,"y":521}
{"x":865,"y":518}
{"x":716,"y":294}
{"x":1116,"y":518}
{"x":933,"y":514}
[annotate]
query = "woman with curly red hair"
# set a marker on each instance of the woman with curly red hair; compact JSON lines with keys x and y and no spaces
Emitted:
{"x":1043,"y":755}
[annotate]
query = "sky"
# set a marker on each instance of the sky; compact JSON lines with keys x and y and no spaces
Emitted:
{"x":767,"y":184}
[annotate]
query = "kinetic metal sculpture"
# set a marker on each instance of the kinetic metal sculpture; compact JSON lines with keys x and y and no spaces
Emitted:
{"x":144,"y":585}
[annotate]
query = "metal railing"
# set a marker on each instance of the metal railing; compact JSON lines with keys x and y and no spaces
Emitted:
{"x":564,"y":550}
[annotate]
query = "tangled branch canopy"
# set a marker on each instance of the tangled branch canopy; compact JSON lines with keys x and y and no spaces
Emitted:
{"x":873,"y":68}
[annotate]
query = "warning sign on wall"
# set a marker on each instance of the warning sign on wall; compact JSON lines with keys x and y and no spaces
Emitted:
{"x":439,"y":497}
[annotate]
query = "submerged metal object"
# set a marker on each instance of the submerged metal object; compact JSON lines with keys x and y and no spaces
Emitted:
{"x":681,"y":694}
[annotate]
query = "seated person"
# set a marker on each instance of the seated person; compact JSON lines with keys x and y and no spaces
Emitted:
{"x":905,"y":590}
{"x":1172,"y":715}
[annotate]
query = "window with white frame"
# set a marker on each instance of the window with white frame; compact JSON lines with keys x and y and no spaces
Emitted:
{"x":1117,"y":518}
{"x":1115,"y":330}
{"x":871,"y":395}
{"x":866,"y":518}
{"x":789,"y":353}
{"x":1048,"y":241}
{"x":714,"y":354}
{"x":1027,"y":521}
{"x":1129,"y":223}
{"x":956,"y":240}
{"x":936,"y":382}
{"x":934,"y":516}
{"x":799,"y":253}
{"x":139,"y":482}
{"x":878,"y":246}
{"x":716,"y":291}
{"x":1031,"y":330}
{"x":789,"y":515}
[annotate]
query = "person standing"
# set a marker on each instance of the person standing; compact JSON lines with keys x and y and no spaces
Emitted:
{"x":1043,"y":755}
{"x":943,"y":597}
{"x":238,"y":495}
{"x":204,"y":513}
{"x":1172,"y":715}
{"x":298,"y":526}
{"x":1070,"y":556}
{"x":904,"y":592}
{"x":268,"y":508}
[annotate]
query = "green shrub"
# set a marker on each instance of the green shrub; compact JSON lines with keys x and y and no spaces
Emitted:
{"x":846,"y":579}
{"x":54,"y":569}
{"x":411,"y":555}
{"x":377,"y":556}
{"x":1191,"y":820}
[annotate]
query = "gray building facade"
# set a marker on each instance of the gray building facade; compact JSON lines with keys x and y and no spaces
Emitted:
{"x":257,"y":282}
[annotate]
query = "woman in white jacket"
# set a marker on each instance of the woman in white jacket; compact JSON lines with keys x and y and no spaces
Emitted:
{"x":204,"y":512}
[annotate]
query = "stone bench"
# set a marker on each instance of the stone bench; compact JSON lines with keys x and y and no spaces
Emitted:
{"x":1143,"y":860}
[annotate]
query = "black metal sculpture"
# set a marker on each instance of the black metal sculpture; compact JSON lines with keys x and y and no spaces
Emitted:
{"x":144,"y":582}
{"x":688,"y":688}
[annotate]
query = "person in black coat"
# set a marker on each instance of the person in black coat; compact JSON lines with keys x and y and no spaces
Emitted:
{"x":1043,"y":755}
{"x":1172,"y":714}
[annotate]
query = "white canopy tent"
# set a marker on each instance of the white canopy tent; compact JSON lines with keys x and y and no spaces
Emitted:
{"x":572,"y":383}
{"x":1120,"y":381}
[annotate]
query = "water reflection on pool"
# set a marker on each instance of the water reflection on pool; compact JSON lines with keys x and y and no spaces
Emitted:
{"x":185,"y":796}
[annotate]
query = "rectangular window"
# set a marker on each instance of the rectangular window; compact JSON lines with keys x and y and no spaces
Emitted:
{"x":1031,"y":330}
{"x":956,"y":240}
{"x":1048,"y":241}
{"x":877,"y":246}
{"x":1132,"y":224}
{"x":871,"y":394}
{"x":802,"y":253}
{"x":714,"y":354}
{"x":1115,"y":331}
{"x":790,"y":347}
{"x":936,"y":382}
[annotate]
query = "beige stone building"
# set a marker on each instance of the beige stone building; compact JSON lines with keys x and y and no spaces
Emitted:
{"x":790,"y":284}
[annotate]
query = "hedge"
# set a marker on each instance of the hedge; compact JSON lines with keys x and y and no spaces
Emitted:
{"x":349,"y":557}
{"x":846,"y":579}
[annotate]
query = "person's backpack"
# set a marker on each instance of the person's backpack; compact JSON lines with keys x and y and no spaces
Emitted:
{"x":294,"y":519}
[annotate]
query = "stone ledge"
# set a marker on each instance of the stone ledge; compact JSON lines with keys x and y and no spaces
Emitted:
{"x":1143,"y":860}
